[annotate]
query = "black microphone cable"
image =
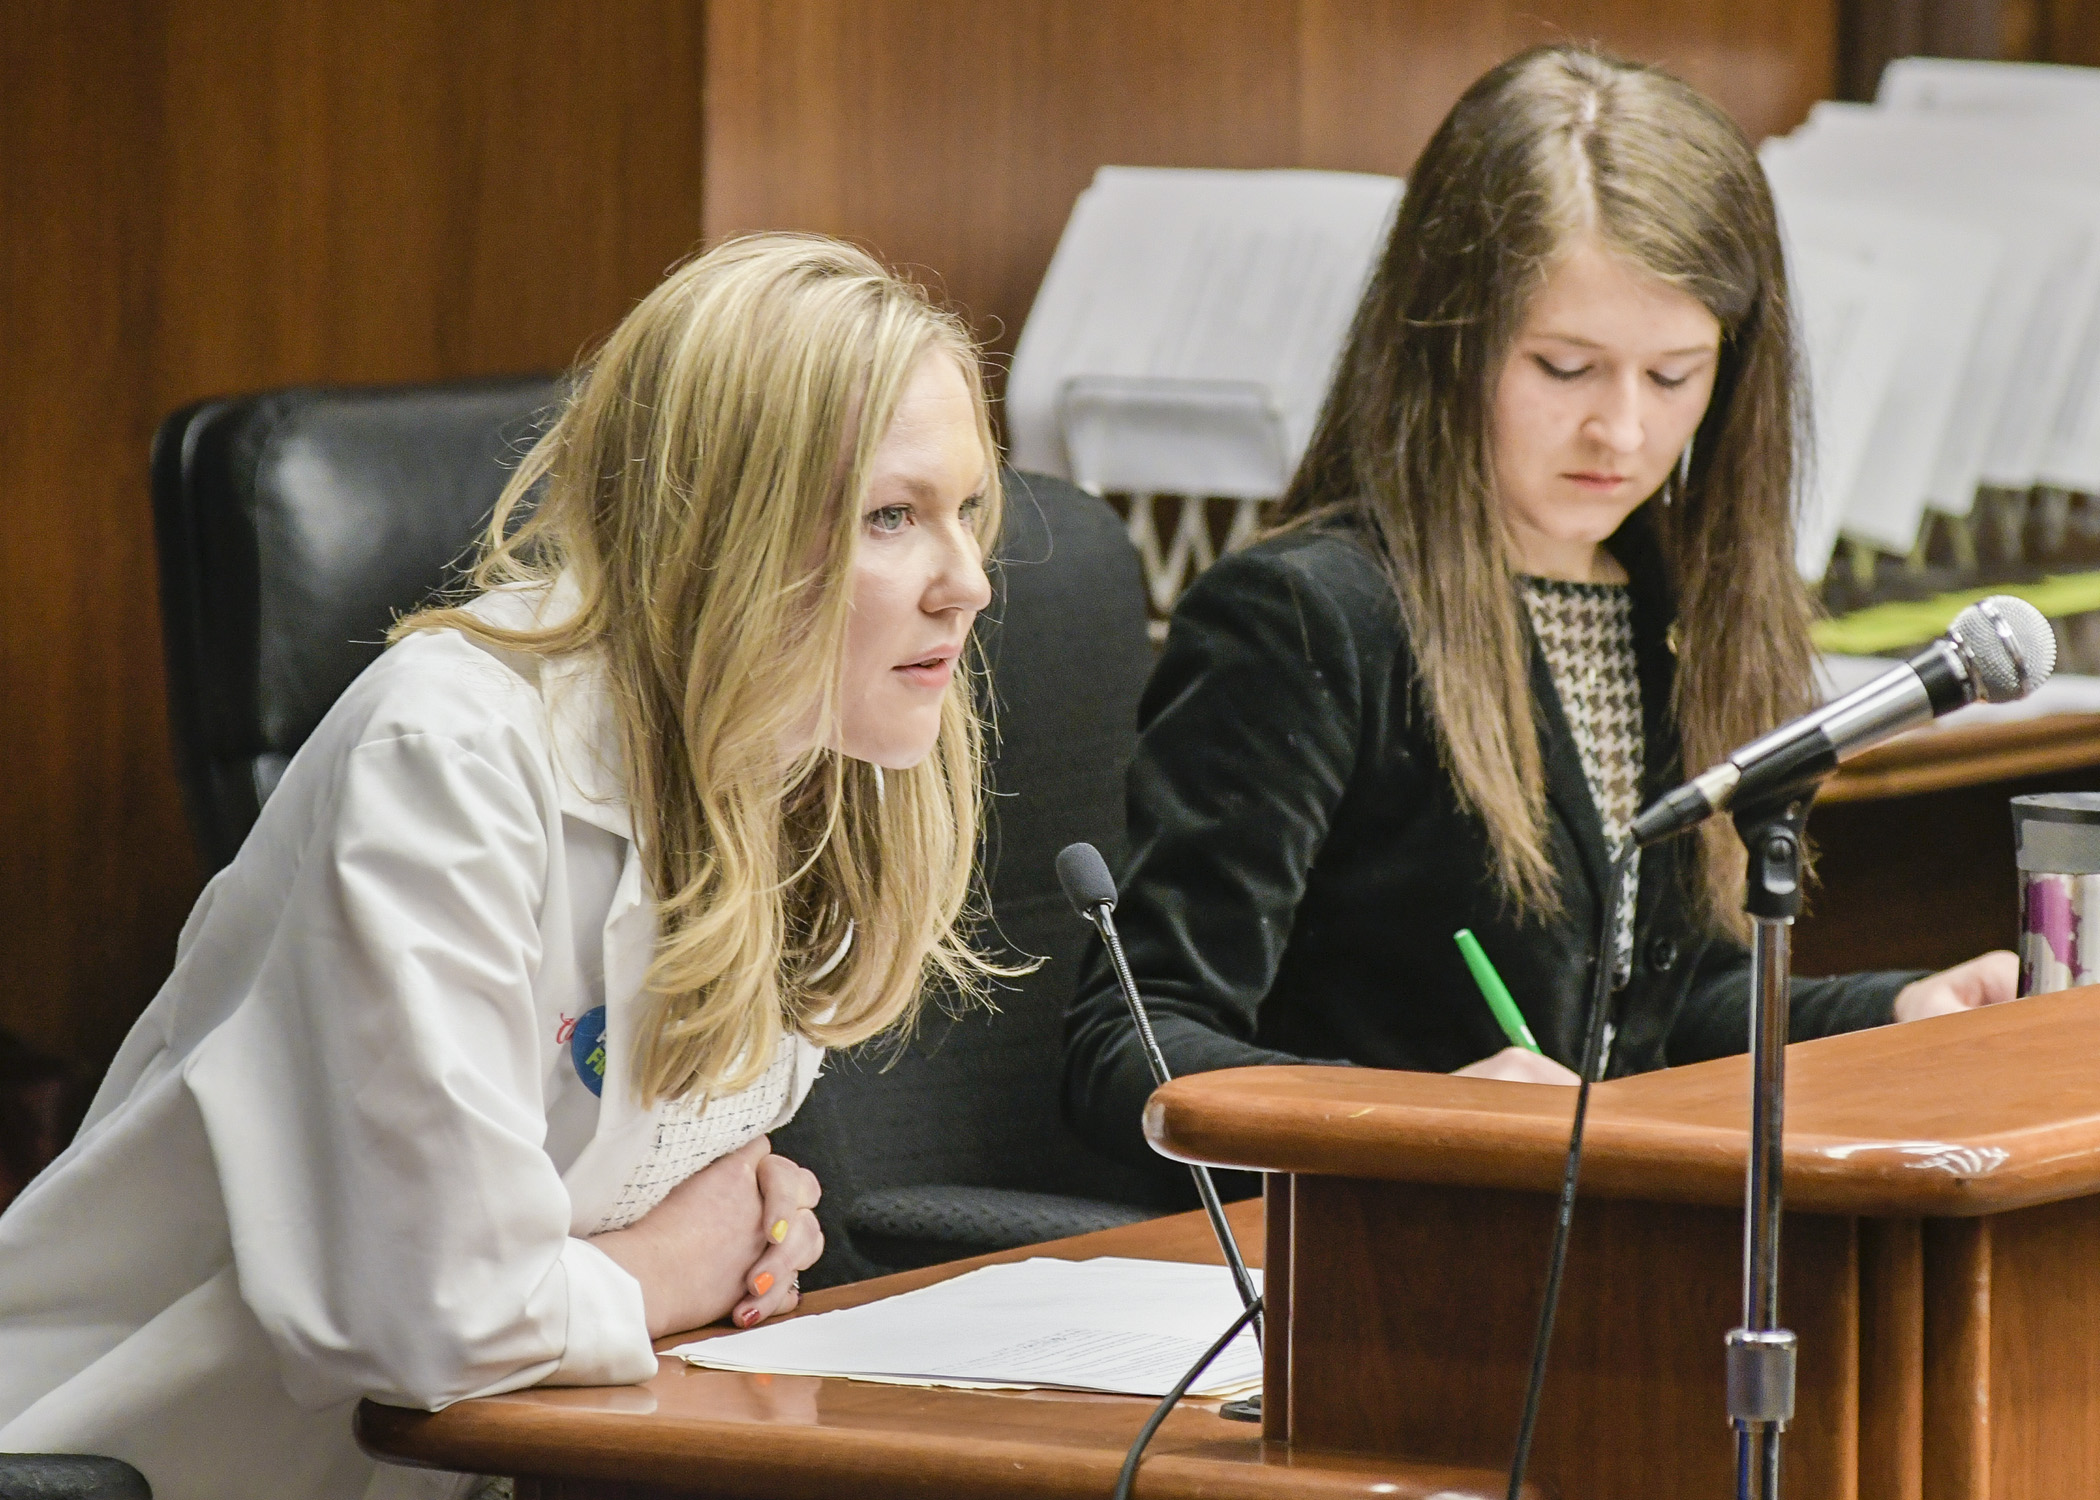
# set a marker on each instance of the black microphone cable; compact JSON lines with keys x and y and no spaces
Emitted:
{"x":1128,"y":1476}
{"x":1592,"y":1065}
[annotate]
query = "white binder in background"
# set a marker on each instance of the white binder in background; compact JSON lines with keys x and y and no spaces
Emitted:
{"x":1855,"y":319}
{"x":1951,"y":266}
{"x":1992,"y":164}
{"x":2001,"y":365}
{"x":1152,"y":435}
{"x":1228,"y":294}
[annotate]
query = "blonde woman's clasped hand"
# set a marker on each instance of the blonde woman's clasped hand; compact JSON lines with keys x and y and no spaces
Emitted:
{"x":788,"y":1194}
{"x":729,"y":1241}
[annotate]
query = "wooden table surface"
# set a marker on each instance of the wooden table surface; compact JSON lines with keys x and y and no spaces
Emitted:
{"x":1932,"y":759}
{"x":785,"y":1437}
{"x":1960,"y":1115}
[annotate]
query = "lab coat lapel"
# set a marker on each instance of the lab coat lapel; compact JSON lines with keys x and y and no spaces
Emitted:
{"x":626,"y":1128}
{"x":593,"y":790}
{"x":581,"y":725}
{"x":586,"y":742}
{"x":630,"y":945}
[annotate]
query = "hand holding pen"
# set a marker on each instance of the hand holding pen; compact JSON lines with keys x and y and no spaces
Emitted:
{"x":1521,"y":1061}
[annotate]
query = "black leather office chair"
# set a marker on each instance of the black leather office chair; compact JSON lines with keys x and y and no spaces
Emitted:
{"x":294,"y":525}
{"x":69,"y":1476}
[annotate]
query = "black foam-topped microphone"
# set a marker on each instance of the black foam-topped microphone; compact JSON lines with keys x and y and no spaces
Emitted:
{"x":1997,"y":649}
{"x":1092,"y":891}
{"x":1084,"y":874}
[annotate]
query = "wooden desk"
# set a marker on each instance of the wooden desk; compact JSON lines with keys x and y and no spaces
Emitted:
{"x":1942,"y":1259}
{"x":709,"y":1432}
{"x":1940,"y":760}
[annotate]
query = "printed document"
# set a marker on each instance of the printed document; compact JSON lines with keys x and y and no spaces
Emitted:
{"x":1128,"y":1327}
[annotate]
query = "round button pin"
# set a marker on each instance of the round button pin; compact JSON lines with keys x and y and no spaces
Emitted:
{"x":587,"y":1049}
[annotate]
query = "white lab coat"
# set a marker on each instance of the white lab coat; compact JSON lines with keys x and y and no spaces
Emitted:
{"x":345,"y":1152}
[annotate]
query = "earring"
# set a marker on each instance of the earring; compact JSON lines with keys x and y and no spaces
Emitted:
{"x":1684,"y":475}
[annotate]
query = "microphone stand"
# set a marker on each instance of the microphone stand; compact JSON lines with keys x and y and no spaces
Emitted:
{"x":1761,"y":1354}
{"x":1098,"y":914}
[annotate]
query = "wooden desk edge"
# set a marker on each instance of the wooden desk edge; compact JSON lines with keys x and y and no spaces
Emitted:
{"x":753,"y":1459}
{"x":1939,"y":760}
{"x":554,"y":1433}
{"x":1681,"y":1136}
{"x":1622,"y":1160}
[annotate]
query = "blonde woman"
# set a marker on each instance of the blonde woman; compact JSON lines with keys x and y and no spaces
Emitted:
{"x":462,"y":1078}
{"x":1537,"y":561}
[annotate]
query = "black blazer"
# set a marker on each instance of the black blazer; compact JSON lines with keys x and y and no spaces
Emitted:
{"x":1298,"y":860}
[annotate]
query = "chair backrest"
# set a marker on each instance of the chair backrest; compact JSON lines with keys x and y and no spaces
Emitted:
{"x":69,"y":1476}
{"x":293,"y":526}
{"x":972,"y":1098}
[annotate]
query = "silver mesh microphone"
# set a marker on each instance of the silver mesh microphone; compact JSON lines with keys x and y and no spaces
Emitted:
{"x":1998,"y":649}
{"x":2009,"y":647}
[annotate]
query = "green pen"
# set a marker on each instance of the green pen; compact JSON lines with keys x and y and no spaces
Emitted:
{"x":1495,"y":992}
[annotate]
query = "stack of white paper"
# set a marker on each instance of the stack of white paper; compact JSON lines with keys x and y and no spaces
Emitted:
{"x":1901,"y":423}
{"x":1855,"y":316}
{"x":1986,"y":169}
{"x":2042,"y":123}
{"x":1185,"y":332}
{"x":1129,"y":1327}
{"x":1969,"y":193}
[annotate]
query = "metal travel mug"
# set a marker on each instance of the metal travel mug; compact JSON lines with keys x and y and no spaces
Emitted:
{"x":2057,"y":836}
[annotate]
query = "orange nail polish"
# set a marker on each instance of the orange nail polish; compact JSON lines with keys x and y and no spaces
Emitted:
{"x":763,"y":1283}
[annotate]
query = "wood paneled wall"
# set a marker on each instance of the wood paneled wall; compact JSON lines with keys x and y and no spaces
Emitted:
{"x":203,"y":198}
{"x":1872,"y":32}
{"x":200,"y":198}
{"x":953,"y":135}
{"x":2058,"y":31}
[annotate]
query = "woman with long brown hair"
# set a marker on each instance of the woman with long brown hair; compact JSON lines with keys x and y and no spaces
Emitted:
{"x":1537,"y":561}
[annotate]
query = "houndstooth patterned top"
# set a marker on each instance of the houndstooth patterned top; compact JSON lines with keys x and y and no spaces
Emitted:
{"x":1586,"y":633}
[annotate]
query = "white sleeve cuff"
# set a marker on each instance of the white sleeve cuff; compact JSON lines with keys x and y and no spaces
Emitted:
{"x":608,"y":1342}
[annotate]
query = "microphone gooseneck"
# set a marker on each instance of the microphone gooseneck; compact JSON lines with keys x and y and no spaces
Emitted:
{"x":1997,"y":650}
{"x":1092,"y":891}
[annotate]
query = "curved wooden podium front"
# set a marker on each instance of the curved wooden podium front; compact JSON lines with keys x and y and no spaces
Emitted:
{"x":1941,"y":1260}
